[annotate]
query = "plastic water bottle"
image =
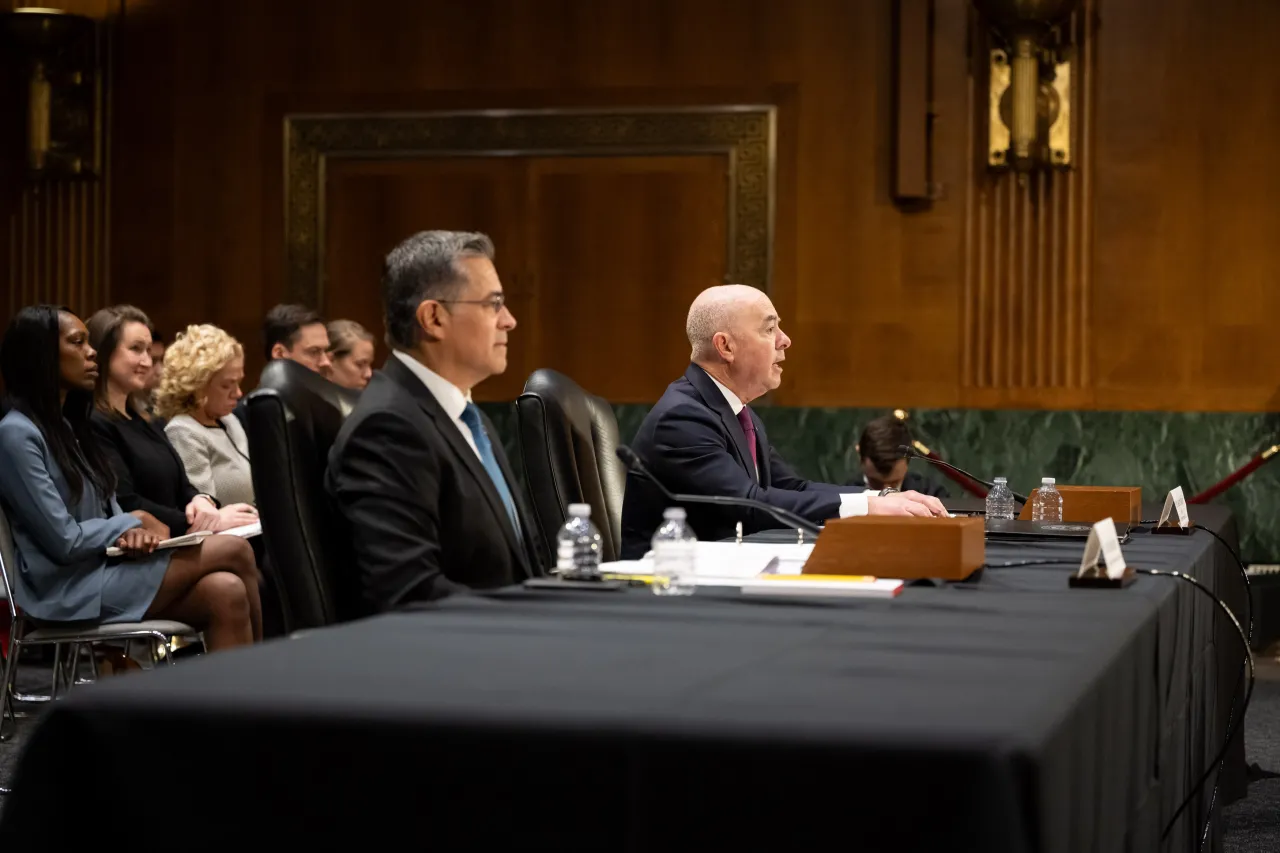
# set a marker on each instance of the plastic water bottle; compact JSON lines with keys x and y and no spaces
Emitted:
{"x":578,"y":546}
{"x":1000,"y":500}
{"x":1048,"y":503}
{"x":674,"y":555}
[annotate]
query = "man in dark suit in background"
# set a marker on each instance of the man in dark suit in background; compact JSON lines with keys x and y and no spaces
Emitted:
{"x":417,"y":469}
{"x":702,"y":438}
{"x":883,"y":465}
{"x":297,"y":333}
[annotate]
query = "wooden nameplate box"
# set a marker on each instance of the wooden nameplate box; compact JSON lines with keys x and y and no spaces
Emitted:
{"x":1091,"y":504}
{"x":899,"y":547}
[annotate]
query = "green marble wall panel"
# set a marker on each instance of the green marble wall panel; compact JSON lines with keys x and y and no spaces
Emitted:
{"x":1154,"y":450}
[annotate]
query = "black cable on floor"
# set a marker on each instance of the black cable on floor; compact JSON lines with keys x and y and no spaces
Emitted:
{"x":1244,"y":571}
{"x":1232,"y":728}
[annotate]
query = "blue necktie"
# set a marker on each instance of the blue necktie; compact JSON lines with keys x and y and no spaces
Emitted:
{"x":471,"y":417}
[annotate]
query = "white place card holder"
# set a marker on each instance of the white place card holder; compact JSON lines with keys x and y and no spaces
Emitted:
{"x":1175,"y":502}
{"x":1103,"y":548}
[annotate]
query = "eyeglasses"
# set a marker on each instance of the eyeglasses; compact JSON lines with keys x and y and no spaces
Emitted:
{"x":497,"y":302}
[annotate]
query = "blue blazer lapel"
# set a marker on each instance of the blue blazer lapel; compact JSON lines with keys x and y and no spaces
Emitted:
{"x":715,"y":400}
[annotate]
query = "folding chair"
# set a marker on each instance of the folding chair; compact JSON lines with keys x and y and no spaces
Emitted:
{"x":67,"y":640}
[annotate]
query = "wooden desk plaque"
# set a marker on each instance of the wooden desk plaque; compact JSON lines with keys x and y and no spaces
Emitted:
{"x":1091,"y":504}
{"x":899,"y":547}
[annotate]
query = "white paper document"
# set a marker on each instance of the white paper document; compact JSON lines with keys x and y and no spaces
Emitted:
{"x":728,"y":563}
{"x":246,"y":531}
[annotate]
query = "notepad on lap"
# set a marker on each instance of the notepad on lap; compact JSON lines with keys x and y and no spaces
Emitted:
{"x":838,"y":586}
{"x":246,"y":531}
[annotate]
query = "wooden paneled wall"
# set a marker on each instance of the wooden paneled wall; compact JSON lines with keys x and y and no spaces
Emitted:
{"x":57,"y":246}
{"x":55,"y":235}
{"x":1028,"y":239}
{"x":1145,"y":279}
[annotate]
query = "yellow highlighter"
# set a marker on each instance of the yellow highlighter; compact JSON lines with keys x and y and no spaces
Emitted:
{"x":631,"y":579}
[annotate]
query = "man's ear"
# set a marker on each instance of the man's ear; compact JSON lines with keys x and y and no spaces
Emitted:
{"x":279,"y":351}
{"x":723,"y":345}
{"x":431,"y":319}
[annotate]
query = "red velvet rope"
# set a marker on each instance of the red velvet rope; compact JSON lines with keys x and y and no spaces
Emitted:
{"x":1231,"y":479}
{"x":976,"y":488}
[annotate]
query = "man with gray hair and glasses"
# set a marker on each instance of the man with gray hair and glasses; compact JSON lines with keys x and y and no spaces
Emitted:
{"x":417,"y":469}
{"x":703,"y":439}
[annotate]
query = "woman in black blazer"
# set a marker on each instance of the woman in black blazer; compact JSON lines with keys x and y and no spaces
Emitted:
{"x":150,"y":473}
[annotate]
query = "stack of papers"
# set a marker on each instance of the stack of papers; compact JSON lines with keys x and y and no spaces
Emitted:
{"x":758,"y":567}
{"x":824,"y":585}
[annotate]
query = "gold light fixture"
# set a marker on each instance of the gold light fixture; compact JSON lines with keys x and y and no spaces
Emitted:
{"x":1029,"y":114}
{"x":64,"y":89}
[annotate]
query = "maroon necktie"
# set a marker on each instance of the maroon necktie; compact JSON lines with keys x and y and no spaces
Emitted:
{"x":748,"y":429}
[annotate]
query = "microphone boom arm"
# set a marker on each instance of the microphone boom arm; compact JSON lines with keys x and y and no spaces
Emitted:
{"x":912,"y":453}
{"x":787,"y":518}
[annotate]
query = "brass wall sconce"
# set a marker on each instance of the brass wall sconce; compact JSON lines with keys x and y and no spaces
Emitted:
{"x":1029,"y":115}
{"x":60,"y":55}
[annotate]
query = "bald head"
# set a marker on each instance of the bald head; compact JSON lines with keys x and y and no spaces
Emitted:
{"x":720,"y":309}
{"x":737,"y":339}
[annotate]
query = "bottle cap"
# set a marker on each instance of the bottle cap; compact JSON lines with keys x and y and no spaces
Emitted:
{"x":1000,"y":480}
{"x":580,"y":510}
{"x":674,"y":513}
{"x":1046,"y":481}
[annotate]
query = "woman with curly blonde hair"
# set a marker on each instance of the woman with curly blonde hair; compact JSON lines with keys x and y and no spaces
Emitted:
{"x":203,"y":369}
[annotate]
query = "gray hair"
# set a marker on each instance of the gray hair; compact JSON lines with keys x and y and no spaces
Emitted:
{"x":423,"y":267}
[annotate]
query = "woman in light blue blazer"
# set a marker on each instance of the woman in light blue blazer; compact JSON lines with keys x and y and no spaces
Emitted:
{"x":56,"y":488}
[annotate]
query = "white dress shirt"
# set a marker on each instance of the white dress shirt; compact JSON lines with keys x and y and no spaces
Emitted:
{"x":851,"y":503}
{"x":449,"y":396}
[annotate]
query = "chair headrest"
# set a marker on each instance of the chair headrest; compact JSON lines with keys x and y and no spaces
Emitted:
{"x":560,"y":392}
{"x":294,"y":381}
{"x":313,"y":402}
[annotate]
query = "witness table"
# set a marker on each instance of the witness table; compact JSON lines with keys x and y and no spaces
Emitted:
{"x":1006,"y":714}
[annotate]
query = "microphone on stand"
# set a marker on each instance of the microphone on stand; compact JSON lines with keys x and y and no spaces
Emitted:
{"x":911,"y":453}
{"x":788,"y":519}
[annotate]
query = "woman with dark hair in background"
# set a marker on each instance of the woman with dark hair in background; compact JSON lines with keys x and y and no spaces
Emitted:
{"x":56,"y":486}
{"x":145,"y":401}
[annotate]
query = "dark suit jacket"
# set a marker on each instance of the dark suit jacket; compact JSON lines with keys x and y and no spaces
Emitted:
{"x":913,"y":482}
{"x":151,"y":476}
{"x":425,"y":518}
{"x":693,"y":443}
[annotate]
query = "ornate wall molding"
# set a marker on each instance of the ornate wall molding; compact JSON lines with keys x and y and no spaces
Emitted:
{"x":746,"y":134}
{"x":1025,"y":328}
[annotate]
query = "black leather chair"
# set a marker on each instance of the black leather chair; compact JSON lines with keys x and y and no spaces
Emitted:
{"x":293,"y":418}
{"x":568,"y":440}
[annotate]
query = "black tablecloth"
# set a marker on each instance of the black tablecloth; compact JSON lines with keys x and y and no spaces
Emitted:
{"x":1007,"y":714}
